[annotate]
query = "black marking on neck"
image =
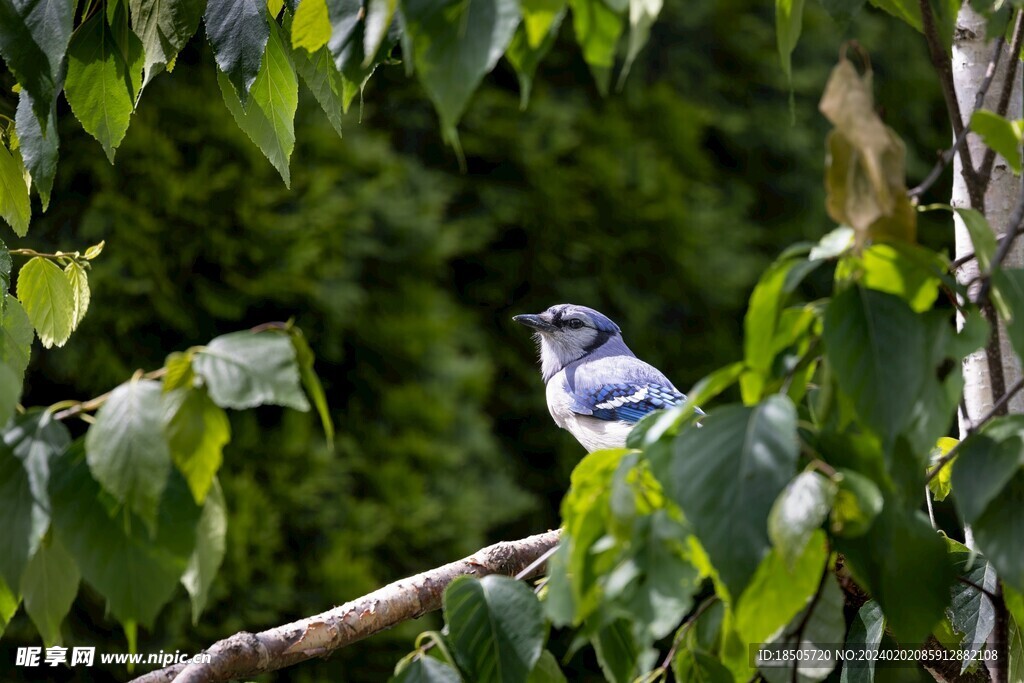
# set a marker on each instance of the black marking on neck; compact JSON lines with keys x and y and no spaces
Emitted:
{"x":602,"y":337}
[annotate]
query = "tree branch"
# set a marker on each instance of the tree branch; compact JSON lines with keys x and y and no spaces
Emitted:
{"x":961,"y":134}
{"x":988,"y":162}
{"x":944,"y":67}
{"x":245,"y":655}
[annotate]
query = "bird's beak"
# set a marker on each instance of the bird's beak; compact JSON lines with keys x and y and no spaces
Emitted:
{"x":534,"y":322}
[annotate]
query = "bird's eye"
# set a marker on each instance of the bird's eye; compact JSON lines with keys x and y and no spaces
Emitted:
{"x":575,"y":324}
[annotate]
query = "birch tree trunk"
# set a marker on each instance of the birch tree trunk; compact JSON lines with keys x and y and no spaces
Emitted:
{"x":971,"y":56}
{"x":988,"y":372}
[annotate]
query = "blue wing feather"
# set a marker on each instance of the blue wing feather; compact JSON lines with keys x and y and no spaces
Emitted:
{"x":625,"y":402}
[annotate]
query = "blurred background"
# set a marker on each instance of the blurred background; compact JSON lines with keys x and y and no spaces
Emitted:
{"x":659,"y":205}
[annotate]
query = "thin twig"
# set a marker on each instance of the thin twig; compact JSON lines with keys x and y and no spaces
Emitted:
{"x":987,"y":593}
{"x":95,"y":403}
{"x":685,"y":628}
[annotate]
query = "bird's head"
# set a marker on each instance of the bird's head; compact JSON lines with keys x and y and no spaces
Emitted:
{"x":566,"y":333}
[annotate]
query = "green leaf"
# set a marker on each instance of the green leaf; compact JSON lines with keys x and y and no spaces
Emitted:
{"x":690,"y":666}
{"x":8,"y":605}
{"x":983,"y":238}
{"x":726,"y":475}
{"x":311,"y":382}
{"x":38,"y":144}
{"x":598,"y":28}
{"x":197,"y":430}
{"x":761,"y":321}
{"x":97,"y":85}
{"x":79,"y":281}
{"x":14,"y":201}
{"x":1015,"y":646}
{"x":986,"y":464}
{"x":137,"y":573}
{"x":33,"y":37}
{"x":6,"y":264}
{"x":779,"y":589}
{"x":29,"y":443}
{"x":15,"y":338}
{"x":10,"y":392}
{"x":164,"y":27}
{"x":425,"y":669}
{"x":654,"y":580}
{"x":126,"y":449}
{"x":789,"y":16}
{"x":525,"y":57}
{"x":798,"y":512}
{"x":495,"y":627}
{"x":48,"y":299}
{"x":1001,"y":135}
{"x":905,"y":270}
{"x":903,"y":562}
{"x":1010,"y":284}
{"x":48,"y":587}
{"x":324,"y":80}
{"x":971,"y":612}
{"x":1015,"y":641}
{"x":617,"y":651}
{"x":311,"y":28}
{"x":546,"y":670}
{"x":379,"y":17}
{"x":348,"y":38}
{"x":209,"y":551}
{"x":454,"y":46}
{"x":998,"y":532}
{"x":825,"y":626}
{"x":575,"y":592}
{"x":865,"y":635}
{"x":239,"y":33}
{"x":269,"y":116}
{"x":539,"y":18}
{"x":247,"y":369}
{"x":905,"y":10}
{"x":15,"y":346}
{"x":179,"y":373}
{"x":873,"y":342}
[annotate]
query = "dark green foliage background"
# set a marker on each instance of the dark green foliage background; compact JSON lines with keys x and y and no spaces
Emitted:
{"x":659,"y":206}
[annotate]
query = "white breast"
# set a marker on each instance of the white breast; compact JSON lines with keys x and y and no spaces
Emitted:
{"x":592,"y":433}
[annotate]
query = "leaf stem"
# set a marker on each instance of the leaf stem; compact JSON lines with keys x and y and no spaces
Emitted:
{"x":79,"y":407}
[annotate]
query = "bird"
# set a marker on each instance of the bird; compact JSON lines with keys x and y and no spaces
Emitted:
{"x":597,"y":389}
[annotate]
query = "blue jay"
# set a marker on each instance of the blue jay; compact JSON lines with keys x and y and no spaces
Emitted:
{"x":597,"y":389}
